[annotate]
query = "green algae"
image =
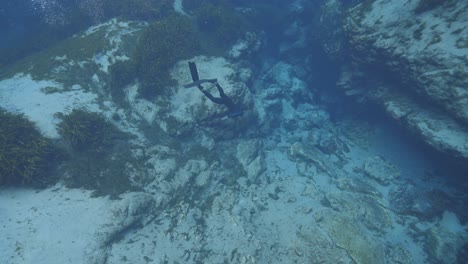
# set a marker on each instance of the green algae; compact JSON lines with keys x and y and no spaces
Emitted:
{"x":25,"y":155}
{"x":161,"y":45}
{"x":73,"y":60}
{"x":99,"y":157}
{"x":68,"y":62}
{"x":86,"y":131}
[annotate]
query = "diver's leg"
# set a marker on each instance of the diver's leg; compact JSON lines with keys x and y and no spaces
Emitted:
{"x":220,"y":90}
{"x":211,"y":97}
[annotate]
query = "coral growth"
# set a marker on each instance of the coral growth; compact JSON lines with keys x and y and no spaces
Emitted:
{"x":25,"y":154}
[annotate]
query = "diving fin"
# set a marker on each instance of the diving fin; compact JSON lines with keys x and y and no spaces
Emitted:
{"x":199,"y":82}
{"x":196,"y":80}
{"x":193,"y":71}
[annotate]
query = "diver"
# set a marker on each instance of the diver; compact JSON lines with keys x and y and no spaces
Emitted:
{"x":234,"y":110}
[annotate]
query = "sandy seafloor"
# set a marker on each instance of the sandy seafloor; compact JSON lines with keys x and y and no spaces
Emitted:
{"x":302,"y":207}
{"x":265,"y":222}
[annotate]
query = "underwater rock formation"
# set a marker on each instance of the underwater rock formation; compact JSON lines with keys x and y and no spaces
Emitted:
{"x":444,"y":244}
{"x":425,"y":205}
{"x":250,"y":155}
{"x":423,"y":56}
{"x":284,"y":100}
{"x":285,"y":183}
{"x":246,"y":47}
{"x":380,"y":170}
{"x":328,"y":29}
{"x":356,"y":241}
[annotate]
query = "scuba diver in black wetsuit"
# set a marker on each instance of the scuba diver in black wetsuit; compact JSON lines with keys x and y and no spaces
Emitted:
{"x":234,"y":110}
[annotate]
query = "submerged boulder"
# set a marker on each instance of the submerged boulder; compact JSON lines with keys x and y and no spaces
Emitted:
{"x":283,"y":99}
{"x":250,"y":155}
{"x":190,"y":108}
{"x":380,"y":170}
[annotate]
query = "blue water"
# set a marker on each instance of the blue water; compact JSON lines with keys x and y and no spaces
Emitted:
{"x":286,"y":180}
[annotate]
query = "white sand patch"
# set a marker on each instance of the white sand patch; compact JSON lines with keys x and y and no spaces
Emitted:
{"x":61,"y":58}
{"x":51,"y":226}
{"x":389,"y":12}
{"x":103,"y":60}
{"x":115,"y":30}
{"x":179,"y":8}
{"x":96,"y":28}
{"x":451,"y":222}
{"x":142,"y":107}
{"x":24,"y":95}
{"x":238,"y":48}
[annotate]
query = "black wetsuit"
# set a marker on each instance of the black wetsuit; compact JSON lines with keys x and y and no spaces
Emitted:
{"x":234,"y":109}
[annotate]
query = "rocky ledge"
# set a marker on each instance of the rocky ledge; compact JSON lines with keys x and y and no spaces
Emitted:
{"x":416,"y":54}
